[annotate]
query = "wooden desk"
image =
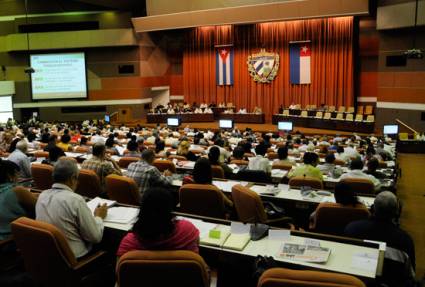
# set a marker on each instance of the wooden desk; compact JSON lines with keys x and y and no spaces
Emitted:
{"x":244,"y":118}
{"x":410,"y":146}
{"x":185,"y":118}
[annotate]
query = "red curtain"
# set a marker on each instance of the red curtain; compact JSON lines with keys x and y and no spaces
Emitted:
{"x":331,"y":64}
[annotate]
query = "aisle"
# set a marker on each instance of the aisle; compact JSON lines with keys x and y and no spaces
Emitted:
{"x":411,"y":190}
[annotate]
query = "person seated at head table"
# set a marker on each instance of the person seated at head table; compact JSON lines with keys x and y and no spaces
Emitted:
{"x":242,"y":111}
{"x":157,"y":228}
{"x":308,"y":168}
{"x":257,"y":110}
{"x":203,"y":106}
{"x":372,"y":166}
{"x":19,"y":157}
{"x":101,"y":163}
{"x":329,"y":168}
{"x":260,"y":161}
{"x":293,"y":106}
{"x":198,"y":111}
{"x":222,"y":105}
{"x":69,"y":212}
{"x":228,"y":111}
{"x":183,"y":150}
{"x":171,"y":111}
{"x":208,"y":111}
{"x":384,"y":226}
{"x":146,"y":175}
{"x":344,"y":196}
{"x":186,"y":105}
{"x":356,"y":171}
{"x":282,"y":154}
{"x":15,"y":200}
{"x":214,"y":156}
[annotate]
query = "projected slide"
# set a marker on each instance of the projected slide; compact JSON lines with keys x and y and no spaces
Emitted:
{"x":58,"y":76}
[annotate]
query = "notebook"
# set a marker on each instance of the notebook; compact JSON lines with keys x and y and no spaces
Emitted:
{"x":215,"y":237}
{"x":237,"y":241}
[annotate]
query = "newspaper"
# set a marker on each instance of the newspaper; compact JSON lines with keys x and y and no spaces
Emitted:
{"x":305,"y":253}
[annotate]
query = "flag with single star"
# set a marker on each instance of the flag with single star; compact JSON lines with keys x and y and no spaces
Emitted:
{"x":224,"y":66}
{"x":299,"y":61}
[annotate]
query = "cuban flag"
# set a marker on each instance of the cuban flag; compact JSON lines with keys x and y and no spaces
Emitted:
{"x":299,"y":57}
{"x":224,"y":66}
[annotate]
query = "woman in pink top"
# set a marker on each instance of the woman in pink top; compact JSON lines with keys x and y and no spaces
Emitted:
{"x":156,"y":227}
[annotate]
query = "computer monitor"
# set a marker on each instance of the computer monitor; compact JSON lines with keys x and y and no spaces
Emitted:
{"x":226,"y":124}
{"x":107,"y":118}
{"x":173,"y":122}
{"x":284,"y":126}
{"x":390,"y":129}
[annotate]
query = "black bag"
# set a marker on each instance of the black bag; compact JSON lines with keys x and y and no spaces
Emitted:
{"x":261,"y":264}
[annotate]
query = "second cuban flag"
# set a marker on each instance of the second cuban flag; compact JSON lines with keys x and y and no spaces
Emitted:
{"x":224,"y":66}
{"x":299,"y":57}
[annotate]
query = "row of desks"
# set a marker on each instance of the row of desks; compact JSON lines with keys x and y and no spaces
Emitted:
{"x":192,"y":117}
{"x":331,"y":124}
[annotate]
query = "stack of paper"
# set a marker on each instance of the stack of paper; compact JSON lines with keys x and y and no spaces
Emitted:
{"x":95,"y":202}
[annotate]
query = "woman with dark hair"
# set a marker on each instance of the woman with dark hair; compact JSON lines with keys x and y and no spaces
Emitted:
{"x":282,"y":154}
{"x":51,"y":143}
{"x":157,"y":228}
{"x":54,"y":154}
{"x":202,"y":173}
{"x":110,"y":144}
{"x":64,"y":142}
{"x":15,"y":201}
{"x":214,"y":157}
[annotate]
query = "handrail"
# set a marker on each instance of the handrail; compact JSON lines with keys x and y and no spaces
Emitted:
{"x":400,"y":122}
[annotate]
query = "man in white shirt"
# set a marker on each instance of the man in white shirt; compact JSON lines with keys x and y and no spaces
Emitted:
{"x":198,"y":111}
{"x":19,"y":157}
{"x":208,"y":111}
{"x":98,"y":138}
{"x":259,"y":162}
{"x":351,"y":151}
{"x":68,"y":211}
{"x":356,"y":171}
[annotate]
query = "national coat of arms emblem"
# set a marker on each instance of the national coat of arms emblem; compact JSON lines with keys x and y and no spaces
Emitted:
{"x":263,"y":66}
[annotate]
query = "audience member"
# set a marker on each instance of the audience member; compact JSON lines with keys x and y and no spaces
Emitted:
{"x":183,"y":150}
{"x":260,"y":162}
{"x":372,"y":166}
{"x":308,"y":168}
{"x":282,"y":154}
{"x":356,"y":171}
{"x":64,"y":143}
{"x":214,"y":156}
{"x":20,"y":158}
{"x":329,"y":167}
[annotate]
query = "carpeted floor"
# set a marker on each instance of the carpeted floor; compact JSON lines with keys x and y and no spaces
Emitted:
{"x":411,"y":191}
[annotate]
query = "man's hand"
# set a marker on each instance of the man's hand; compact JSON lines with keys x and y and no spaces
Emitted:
{"x":101,"y":211}
{"x":167,"y":173}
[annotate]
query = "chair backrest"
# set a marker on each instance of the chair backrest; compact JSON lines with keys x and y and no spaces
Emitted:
{"x":339,"y":162}
{"x":47,"y":256}
{"x":81,"y":149}
{"x":359,"y":118}
{"x":331,"y":109}
{"x":202,"y":199}
{"x":217,"y":171}
{"x":319,"y":115}
{"x":368,"y":110}
{"x":286,"y":112}
{"x":248,"y":204}
{"x":360,"y":185}
{"x":122,"y":189}
{"x":349,"y":117}
{"x":350,"y":110}
{"x":403,"y":136}
{"x":332,"y":218}
{"x":341,"y":109}
{"x":339,"y":116}
{"x":88,"y":183}
{"x":164,"y":164}
{"x":40,"y":153}
{"x":124,"y":162}
{"x":327,"y":116}
{"x":42,"y":175}
{"x":370,"y":118}
{"x":298,"y":181}
{"x":304,"y":114}
{"x":282,"y":166}
{"x":253,"y":175}
{"x":239,"y":162}
{"x":282,"y":277}
{"x":360,"y":110}
{"x":180,"y":267}
{"x":272,"y":155}
{"x":178,"y":157}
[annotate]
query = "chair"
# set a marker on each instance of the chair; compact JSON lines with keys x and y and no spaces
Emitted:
{"x":368,"y":110}
{"x":403,"y":136}
{"x":350,"y":110}
{"x":285,"y":112}
{"x":360,"y":185}
{"x":370,"y":118}
{"x":272,"y":155}
{"x":313,"y":107}
{"x":339,"y":116}
{"x":250,"y":208}
{"x":359,"y":118}
{"x":217,"y":171}
{"x":47,"y":256}
{"x":282,"y":166}
{"x":88,"y":183}
{"x":332,"y":218}
{"x":298,"y":181}
{"x":341,"y":109}
{"x":202,"y":199}
{"x":253,"y":176}
{"x":327,"y":116}
{"x":164,"y":164}
{"x":239,"y":162}
{"x":162,"y":268}
{"x":282,"y":277}
{"x":349,"y":117}
{"x":178,"y":157}
{"x":319,"y":115}
{"x":81,"y":149}
{"x":339,"y":162}
{"x":331,"y":109}
{"x":122,"y":189}
{"x":304,"y":114}
{"x":40,"y":153}
{"x":42,"y":175}
{"x":360,"y":110}
{"x":124,"y":162}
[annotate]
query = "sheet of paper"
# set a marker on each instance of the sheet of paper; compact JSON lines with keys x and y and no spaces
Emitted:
{"x":239,"y":228}
{"x":365,"y":261}
{"x":120,"y":149}
{"x":122,"y":214}
{"x":92,"y":204}
{"x":312,"y":242}
{"x":225,"y":185}
{"x":279,"y":234}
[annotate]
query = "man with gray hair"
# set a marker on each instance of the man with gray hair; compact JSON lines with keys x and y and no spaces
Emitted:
{"x":68,"y":211}
{"x":383,"y":226}
{"x":19,"y":157}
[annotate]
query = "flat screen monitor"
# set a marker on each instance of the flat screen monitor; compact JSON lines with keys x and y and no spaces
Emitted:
{"x":284,"y":126}
{"x":107,"y":118}
{"x":390,"y":129}
{"x":58,"y":76}
{"x":226,"y":124}
{"x":173,"y":122}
